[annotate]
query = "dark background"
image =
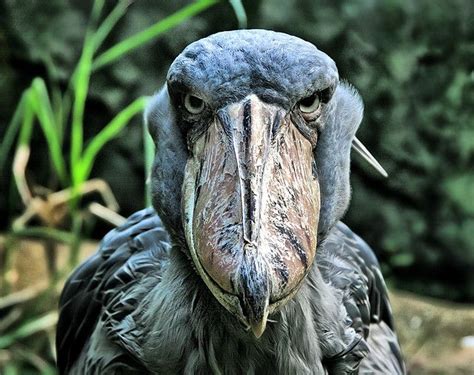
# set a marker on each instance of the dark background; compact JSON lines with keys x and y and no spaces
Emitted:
{"x":412,"y":62}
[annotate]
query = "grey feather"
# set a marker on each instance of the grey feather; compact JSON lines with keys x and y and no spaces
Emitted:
{"x":169,"y":163}
{"x":333,"y":155}
{"x":174,"y":325}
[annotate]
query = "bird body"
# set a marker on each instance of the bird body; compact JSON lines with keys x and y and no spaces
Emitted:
{"x":243,"y":265}
{"x":137,"y":280}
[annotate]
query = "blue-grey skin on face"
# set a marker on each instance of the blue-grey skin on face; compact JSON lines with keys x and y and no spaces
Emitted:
{"x":240,"y":122}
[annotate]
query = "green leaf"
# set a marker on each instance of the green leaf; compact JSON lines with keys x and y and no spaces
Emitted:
{"x":43,"y":232}
{"x":97,"y":38}
{"x":81,"y":87}
{"x":402,"y":260}
{"x":454,"y":92}
{"x":81,"y":78}
{"x":460,"y":190}
{"x":110,"y":131}
{"x":97,"y":7}
{"x":151,"y":33}
{"x":35,"y":360}
{"x":58,"y":109}
{"x":12,"y":130}
{"x":42,"y":323}
{"x":27,"y":123}
{"x":108,"y":24}
{"x":39,"y":100}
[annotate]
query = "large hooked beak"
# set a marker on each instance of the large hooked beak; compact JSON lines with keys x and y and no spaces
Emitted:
{"x":251,"y":208}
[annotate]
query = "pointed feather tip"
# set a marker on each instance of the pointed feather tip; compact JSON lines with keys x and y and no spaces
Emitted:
{"x":359,"y":147}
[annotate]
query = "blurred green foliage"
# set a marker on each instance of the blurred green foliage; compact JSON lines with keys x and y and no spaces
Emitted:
{"x":412,"y":62}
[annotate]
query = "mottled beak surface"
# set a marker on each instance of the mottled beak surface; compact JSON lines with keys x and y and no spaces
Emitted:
{"x":251,"y":208}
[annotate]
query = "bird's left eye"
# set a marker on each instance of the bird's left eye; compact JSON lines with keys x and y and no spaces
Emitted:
{"x":193,"y":104}
{"x":309,"y":104}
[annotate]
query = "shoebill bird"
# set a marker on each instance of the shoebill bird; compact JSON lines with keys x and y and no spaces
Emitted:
{"x":243,"y":265}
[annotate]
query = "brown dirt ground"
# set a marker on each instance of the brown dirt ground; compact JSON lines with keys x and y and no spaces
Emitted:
{"x":431,"y":331}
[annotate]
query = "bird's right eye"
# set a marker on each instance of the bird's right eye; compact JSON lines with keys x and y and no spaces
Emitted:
{"x":193,"y":104}
{"x":310,"y":104}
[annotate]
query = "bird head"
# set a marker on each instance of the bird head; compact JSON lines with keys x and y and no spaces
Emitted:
{"x":253,"y":133}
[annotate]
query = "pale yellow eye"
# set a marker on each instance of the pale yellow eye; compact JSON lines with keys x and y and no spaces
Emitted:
{"x":309,"y":104}
{"x":193,"y":104}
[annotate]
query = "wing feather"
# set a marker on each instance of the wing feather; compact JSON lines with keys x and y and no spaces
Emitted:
{"x":126,"y":253}
{"x":349,"y":264}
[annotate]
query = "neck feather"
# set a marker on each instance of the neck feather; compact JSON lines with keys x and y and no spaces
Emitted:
{"x":192,"y":333}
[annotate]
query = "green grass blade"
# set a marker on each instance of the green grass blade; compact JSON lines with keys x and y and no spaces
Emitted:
{"x":110,"y":131}
{"x":39,"y":87}
{"x":81,"y":87}
{"x":40,"y":101}
{"x":96,"y":11}
{"x":58,"y":112}
{"x":66,"y":104}
{"x":151,"y":33}
{"x":240,"y":13}
{"x":97,"y":38}
{"x":22,"y":151}
{"x":42,"y":323}
{"x":11,"y":132}
{"x":28,"y":118}
{"x":80,"y":82}
{"x":32,"y":358}
{"x":44,"y":233}
{"x":108,"y":24}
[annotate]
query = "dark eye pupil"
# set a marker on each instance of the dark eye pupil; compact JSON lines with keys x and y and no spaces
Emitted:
{"x":308,"y":100}
{"x":195,"y":102}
